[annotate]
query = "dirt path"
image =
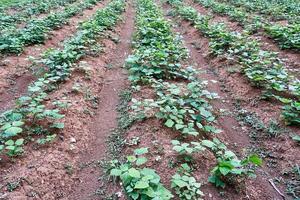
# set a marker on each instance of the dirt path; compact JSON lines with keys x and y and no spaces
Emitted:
{"x":115,"y":80}
{"x":235,"y":134}
{"x":16,"y":72}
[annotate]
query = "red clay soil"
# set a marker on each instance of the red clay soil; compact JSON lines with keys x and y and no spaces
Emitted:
{"x":54,"y":171}
{"x":15,"y":75}
{"x":284,"y":151}
{"x":105,"y":120}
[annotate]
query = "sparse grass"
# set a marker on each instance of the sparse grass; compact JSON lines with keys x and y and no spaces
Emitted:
{"x":69,"y":168}
{"x":258,"y":129}
{"x":13,"y":185}
{"x":116,"y":140}
{"x":293,"y":182}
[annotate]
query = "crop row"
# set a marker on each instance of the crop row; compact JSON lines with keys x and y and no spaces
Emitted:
{"x":31,"y":117}
{"x":36,"y":31}
{"x":181,"y":103}
{"x":23,"y":10}
{"x":279,"y":10}
{"x":287,"y":36}
{"x":34,"y":4}
{"x":262,"y":68}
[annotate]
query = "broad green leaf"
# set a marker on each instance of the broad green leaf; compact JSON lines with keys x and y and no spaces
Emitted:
{"x":224,"y":170}
{"x":217,"y":181}
{"x":134,"y":196}
{"x":134,"y":173}
{"x":17,"y":123}
{"x":115,"y":172}
{"x":205,"y":113}
{"x":208,"y":143}
{"x":6,"y":126}
{"x":212,"y":129}
{"x":194,"y":133}
{"x":255,"y":159}
{"x":141,"y":185}
{"x":58,"y":125}
{"x":169,"y":123}
{"x":178,"y":148}
{"x":175,"y":142}
{"x":179,"y":126}
{"x":12,"y":131}
{"x":237,"y":171}
{"x":229,"y":154}
{"x":141,"y":161}
{"x":10,"y":148}
{"x":19,"y":142}
{"x":141,"y":151}
{"x":180,"y":183}
{"x":9,"y":143}
{"x":199,"y":125}
{"x":131,"y":158}
{"x":296,"y":138}
{"x":34,"y":88}
{"x":15,"y":116}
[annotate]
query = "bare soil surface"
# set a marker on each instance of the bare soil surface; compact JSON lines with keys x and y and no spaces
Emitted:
{"x":16,"y":72}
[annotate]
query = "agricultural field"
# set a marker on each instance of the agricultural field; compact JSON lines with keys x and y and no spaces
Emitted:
{"x":144,"y":99}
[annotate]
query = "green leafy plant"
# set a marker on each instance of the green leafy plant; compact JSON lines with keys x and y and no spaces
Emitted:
{"x":183,"y":107}
{"x":13,"y":148}
{"x":11,"y":129}
{"x":140,"y":183}
{"x":185,"y":185}
{"x":229,"y":167}
{"x":291,"y":113}
{"x":186,"y":149}
{"x":47,"y":139}
{"x":288,"y":36}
